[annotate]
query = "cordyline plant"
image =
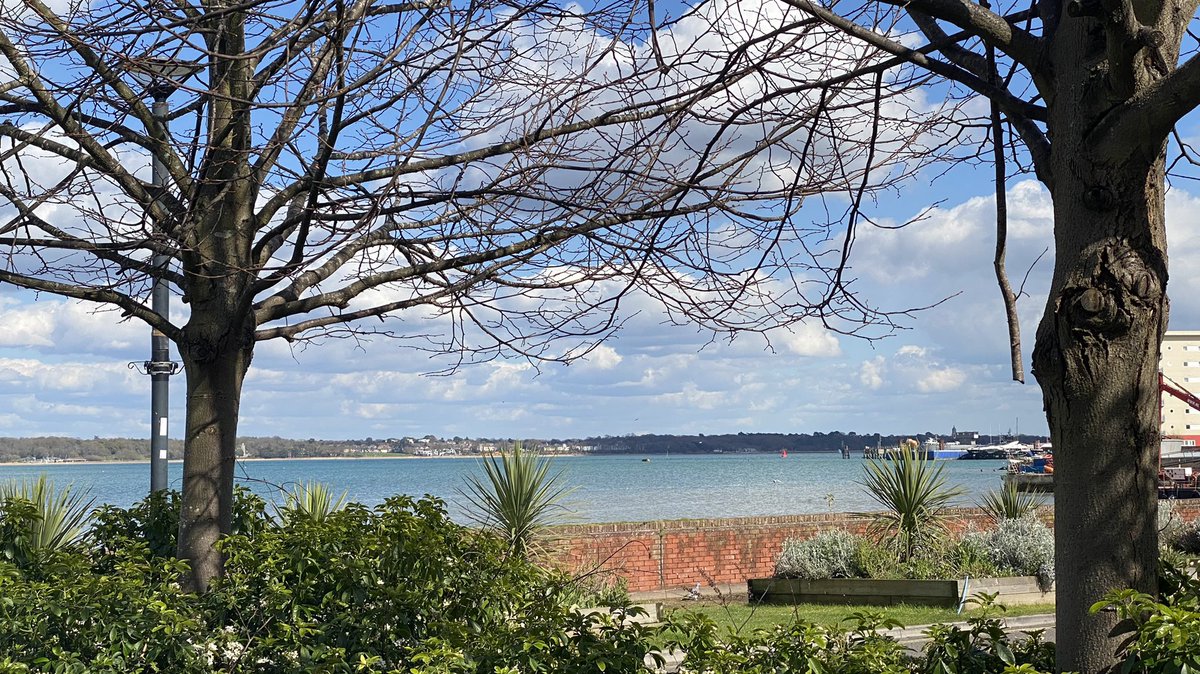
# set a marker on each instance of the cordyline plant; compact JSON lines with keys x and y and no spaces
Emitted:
{"x":1009,"y":503}
{"x":914,"y":497}
{"x":57,"y":518}
{"x":517,"y":496}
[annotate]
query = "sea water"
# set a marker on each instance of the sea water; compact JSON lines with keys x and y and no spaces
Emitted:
{"x":608,"y":488}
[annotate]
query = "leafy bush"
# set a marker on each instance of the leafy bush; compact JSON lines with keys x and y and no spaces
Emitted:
{"x":853,"y":648}
{"x":829,"y":554}
{"x":1023,"y":547}
{"x":1161,"y":636}
{"x":983,"y":647}
{"x":591,"y":590}
{"x":1188,"y":539}
{"x":395,"y":588}
{"x":838,"y":554}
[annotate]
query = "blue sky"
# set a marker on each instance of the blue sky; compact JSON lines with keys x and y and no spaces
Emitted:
{"x":64,"y":365}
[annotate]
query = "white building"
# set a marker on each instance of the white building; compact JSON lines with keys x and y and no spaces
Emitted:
{"x":1180,"y":363}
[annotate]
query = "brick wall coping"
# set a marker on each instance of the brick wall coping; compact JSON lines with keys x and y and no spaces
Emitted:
{"x":598,"y":528}
{"x":1188,"y":509}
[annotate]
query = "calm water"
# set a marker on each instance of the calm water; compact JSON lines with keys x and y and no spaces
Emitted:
{"x":608,"y":488}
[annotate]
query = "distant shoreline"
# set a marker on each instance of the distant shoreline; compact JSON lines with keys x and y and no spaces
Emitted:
{"x":126,"y":462}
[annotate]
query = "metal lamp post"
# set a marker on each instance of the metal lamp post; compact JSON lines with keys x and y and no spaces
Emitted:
{"x":162,"y":78}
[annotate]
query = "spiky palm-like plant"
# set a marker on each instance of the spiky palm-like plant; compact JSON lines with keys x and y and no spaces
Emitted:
{"x":57,"y":518}
{"x":1007,"y":503}
{"x":914,"y":495}
{"x":516,"y":496}
{"x":313,"y":501}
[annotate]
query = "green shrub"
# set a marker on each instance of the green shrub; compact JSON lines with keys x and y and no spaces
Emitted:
{"x":875,"y":560}
{"x":1022,"y":547}
{"x":398,"y":587}
{"x":519,"y":497}
{"x":983,"y":646}
{"x":829,"y":554}
{"x":594,"y":590}
{"x":1009,"y":503}
{"x":56,"y":519}
{"x":1160,"y":636}
{"x":1188,"y":539}
{"x":914,"y":496}
{"x":1170,"y":526}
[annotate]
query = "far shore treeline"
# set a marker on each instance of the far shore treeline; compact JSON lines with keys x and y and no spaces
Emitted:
{"x":134,"y":449}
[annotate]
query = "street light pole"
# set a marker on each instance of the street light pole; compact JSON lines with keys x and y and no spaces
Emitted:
{"x":160,"y":367}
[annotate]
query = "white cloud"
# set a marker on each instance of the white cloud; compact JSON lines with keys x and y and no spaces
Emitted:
{"x":808,"y":339}
{"x":941,"y":380}
{"x":604,"y":357}
{"x":870,"y":373}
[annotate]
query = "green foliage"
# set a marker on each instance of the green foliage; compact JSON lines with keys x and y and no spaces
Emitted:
{"x":69,"y":618}
{"x":153,"y":521}
{"x":593,"y":590}
{"x":839,"y":554}
{"x":1023,"y":547}
{"x":855,"y":647}
{"x":517,"y":496}
{"x":983,"y":646}
{"x":1008,"y":503}
{"x":55,"y":519}
{"x":829,"y":554}
{"x":394,"y":588}
{"x":1187,"y":539}
{"x":914,"y":495}
{"x":1163,"y":637}
{"x":311,"y":500}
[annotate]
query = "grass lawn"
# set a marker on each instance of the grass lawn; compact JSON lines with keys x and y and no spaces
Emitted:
{"x":742,"y":618}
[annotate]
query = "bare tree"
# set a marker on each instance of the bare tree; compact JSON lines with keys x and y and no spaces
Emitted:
{"x":1091,"y":90}
{"x":515,"y":168}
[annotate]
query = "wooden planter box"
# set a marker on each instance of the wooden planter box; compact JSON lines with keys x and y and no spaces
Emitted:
{"x":947,"y":593}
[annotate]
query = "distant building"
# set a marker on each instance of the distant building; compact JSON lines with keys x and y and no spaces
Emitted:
{"x":1180,"y":363}
{"x":963,"y":437}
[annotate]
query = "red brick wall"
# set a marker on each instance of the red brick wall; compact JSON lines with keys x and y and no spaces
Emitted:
{"x":673,"y":554}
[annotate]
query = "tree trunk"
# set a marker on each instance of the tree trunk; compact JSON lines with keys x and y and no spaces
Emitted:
{"x":214,"y":387}
{"x":1096,"y":360}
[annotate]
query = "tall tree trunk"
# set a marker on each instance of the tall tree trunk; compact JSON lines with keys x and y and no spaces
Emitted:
{"x":1096,"y":360}
{"x":215,"y":370}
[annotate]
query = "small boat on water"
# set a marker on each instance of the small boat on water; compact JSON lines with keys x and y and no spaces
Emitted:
{"x":1037,"y":475}
{"x":1034,"y":473}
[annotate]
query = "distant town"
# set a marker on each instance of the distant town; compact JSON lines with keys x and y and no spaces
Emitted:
{"x":61,"y":449}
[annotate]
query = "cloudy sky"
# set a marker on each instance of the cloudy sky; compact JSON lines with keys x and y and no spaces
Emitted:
{"x":64,"y":366}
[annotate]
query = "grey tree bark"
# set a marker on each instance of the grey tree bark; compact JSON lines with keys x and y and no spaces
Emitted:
{"x":1110,"y":85}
